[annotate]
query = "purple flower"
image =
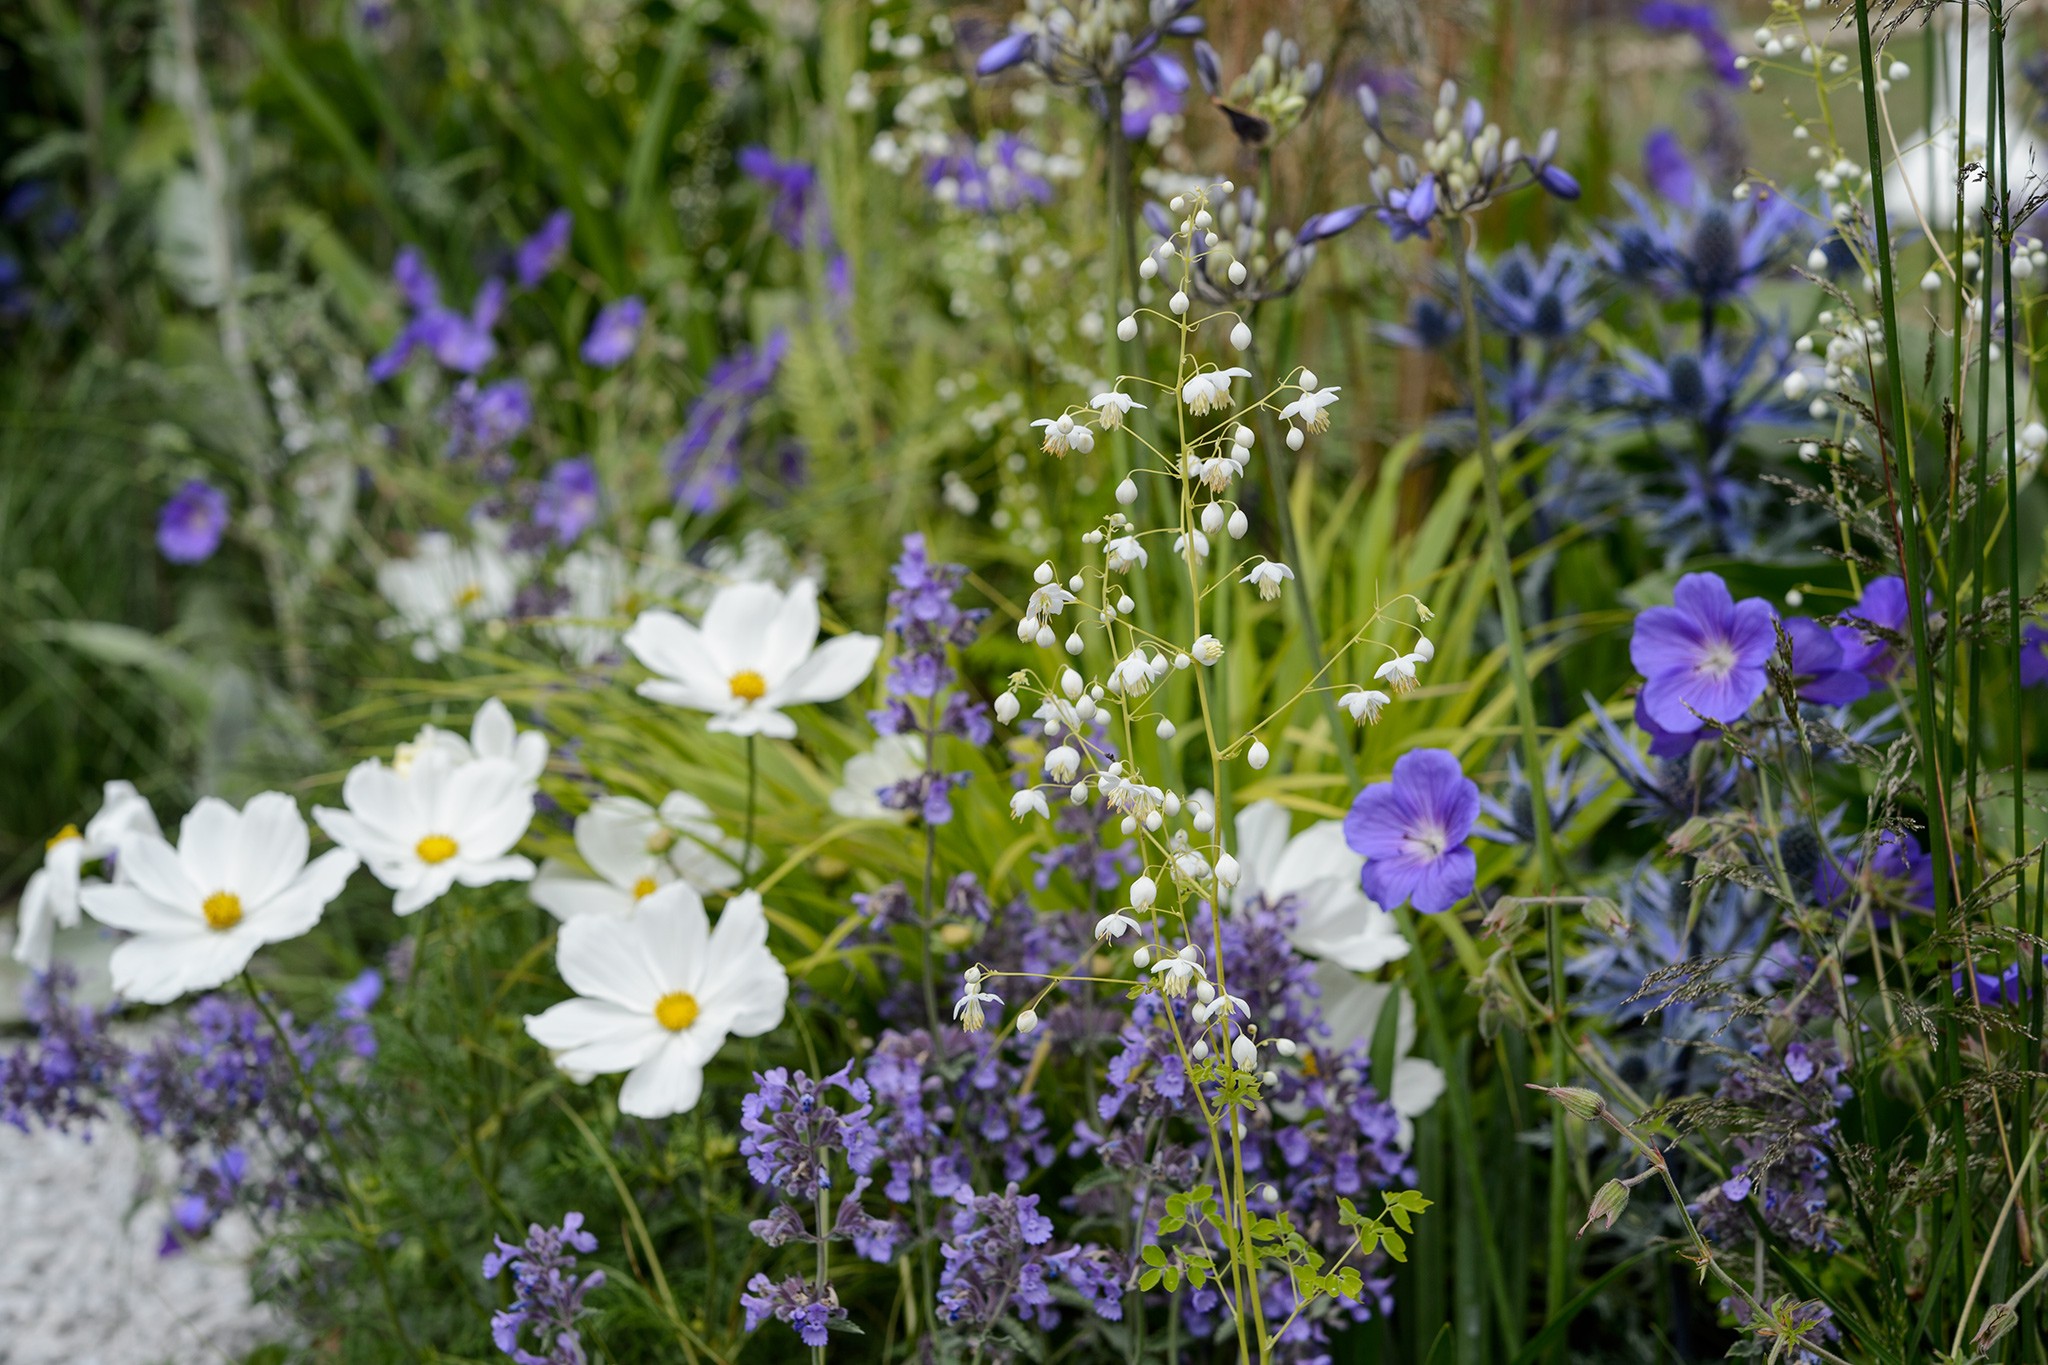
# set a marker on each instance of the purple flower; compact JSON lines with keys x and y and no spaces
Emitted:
{"x":703,"y":461}
{"x":1667,"y":169}
{"x":1153,"y":89}
{"x":809,"y":1312}
{"x":462,"y":344}
{"x":794,"y":210}
{"x":1882,"y":606}
{"x":1411,"y":832}
{"x":1671,"y":16}
{"x":1830,"y":665}
{"x":1702,"y":658}
{"x":1321,"y":225}
{"x":615,"y":333}
{"x":792,"y":1132}
{"x":483,"y":421}
{"x":1898,"y":867}
{"x":539,"y":254}
{"x":2033,"y":654}
{"x":999,"y":176}
{"x":189,"y":528}
{"x":2007,"y":987}
{"x":547,"y":1295}
{"x":1004,"y":53}
{"x":567,"y":503}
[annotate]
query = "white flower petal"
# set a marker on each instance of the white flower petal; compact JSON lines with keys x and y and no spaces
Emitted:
{"x":833,"y":670}
{"x":671,"y":1081}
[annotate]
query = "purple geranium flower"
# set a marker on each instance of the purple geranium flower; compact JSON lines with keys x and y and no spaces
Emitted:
{"x":1411,"y":832}
{"x":541,"y":253}
{"x":460,"y":343}
{"x":2033,"y":654}
{"x":615,"y":333}
{"x":1830,"y":664}
{"x":568,"y":500}
{"x":189,"y":529}
{"x":1897,"y":864}
{"x":1702,"y":658}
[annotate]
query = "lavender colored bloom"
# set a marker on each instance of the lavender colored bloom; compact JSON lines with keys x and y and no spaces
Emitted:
{"x":792,"y":1132}
{"x":457,"y":342}
{"x":1155,"y":87}
{"x":1000,"y":1261}
{"x":1319,"y":226}
{"x":1411,"y":831}
{"x":1012,"y":49}
{"x":567,"y":502}
{"x":189,"y":528}
{"x":1899,"y":870}
{"x":1994,"y":989}
{"x":2033,"y":654}
{"x":59,"y":1083}
{"x":927,"y":623}
{"x":1667,"y":170}
{"x":1829,"y":665}
{"x":810,"y":1312}
{"x":703,"y":461}
{"x":1000,"y":176}
{"x":615,"y":333}
{"x":539,"y":254}
{"x":483,"y":421}
{"x":1408,"y":211}
{"x":1673,"y":16}
{"x":795,"y":210}
{"x":352,"y":1006}
{"x":1703,"y":657}
{"x":547,"y":1295}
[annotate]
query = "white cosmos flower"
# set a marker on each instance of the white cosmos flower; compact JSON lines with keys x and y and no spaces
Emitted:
{"x":443,"y":587}
{"x":237,"y":880}
{"x":892,"y":759}
{"x":659,"y":992}
{"x":50,"y":900}
{"x":1351,"y":1010}
{"x":635,"y":850}
{"x":1267,"y":575}
{"x":756,"y":652}
{"x":1311,"y":409}
{"x":606,"y":587}
{"x":440,"y":823}
{"x":1333,"y":919}
{"x":492,"y":734}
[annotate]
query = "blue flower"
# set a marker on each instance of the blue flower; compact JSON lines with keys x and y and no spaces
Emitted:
{"x":567,"y":502}
{"x":189,"y":528}
{"x":539,"y":254}
{"x":1411,"y":831}
{"x":614,"y":333}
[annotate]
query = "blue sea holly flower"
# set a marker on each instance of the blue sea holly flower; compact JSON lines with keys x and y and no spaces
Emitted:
{"x":1702,"y":658}
{"x":189,"y":528}
{"x":1523,"y":297}
{"x":614,"y":333}
{"x":1411,"y":831}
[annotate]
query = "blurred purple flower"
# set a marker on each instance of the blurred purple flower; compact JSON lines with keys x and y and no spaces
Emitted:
{"x":1411,"y":831}
{"x":703,"y":461}
{"x":1898,"y":865}
{"x":460,"y":343}
{"x":996,"y":177}
{"x":795,"y":210}
{"x":188,"y":530}
{"x":1829,"y":665}
{"x":483,"y":421}
{"x":1672,"y":16}
{"x":2033,"y":654}
{"x":1702,"y":658}
{"x":567,"y":502}
{"x":539,"y":254}
{"x":615,"y":333}
{"x":1667,"y":170}
{"x":1155,"y":86}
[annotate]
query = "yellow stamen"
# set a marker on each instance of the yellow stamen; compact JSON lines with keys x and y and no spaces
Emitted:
{"x":223,"y":910}
{"x":747,"y":685}
{"x":1308,"y":1064}
{"x":676,"y":1011}
{"x":643,"y":888}
{"x":68,"y":832}
{"x":470,"y":595}
{"x":435,"y":848}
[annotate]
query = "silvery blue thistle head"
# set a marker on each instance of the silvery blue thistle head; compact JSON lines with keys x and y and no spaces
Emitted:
{"x":1462,"y":167}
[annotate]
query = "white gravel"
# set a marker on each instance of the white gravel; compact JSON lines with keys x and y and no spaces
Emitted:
{"x":80,"y":1279}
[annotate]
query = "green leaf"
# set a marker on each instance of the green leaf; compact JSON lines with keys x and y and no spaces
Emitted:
{"x":1152,"y":1254}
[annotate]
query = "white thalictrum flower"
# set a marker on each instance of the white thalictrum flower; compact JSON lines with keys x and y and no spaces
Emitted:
{"x":1062,"y":763}
{"x":1210,"y":389}
{"x":1267,"y":576}
{"x":1311,"y":409}
{"x":1352,"y":1010}
{"x":1124,"y":554}
{"x":636,"y":849}
{"x":657,"y":995}
{"x":1398,"y":672}
{"x":237,"y":880}
{"x":440,"y":823}
{"x":443,"y":587}
{"x":1062,"y":434}
{"x":1113,"y":407}
{"x":493,"y":734}
{"x":892,"y":759}
{"x":1244,"y":1053}
{"x":1180,"y":971}
{"x":1046,"y":602}
{"x":1115,"y":924}
{"x":1316,"y":872}
{"x":50,"y":900}
{"x":1028,"y":802}
{"x":756,"y":652}
{"x":967,"y":1009}
{"x":1007,"y":707}
{"x":1364,"y":705}
{"x":1207,"y":650}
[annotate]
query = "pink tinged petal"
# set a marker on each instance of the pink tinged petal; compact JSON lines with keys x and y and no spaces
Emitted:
{"x":677,"y":651}
{"x":154,"y":868}
{"x":606,"y":959}
{"x":675,"y":938}
{"x":156,"y":969}
{"x":274,"y":845}
{"x":1445,"y":881}
{"x":209,"y":841}
{"x":738,"y":623}
{"x":672,"y":1080}
{"x":833,"y":670}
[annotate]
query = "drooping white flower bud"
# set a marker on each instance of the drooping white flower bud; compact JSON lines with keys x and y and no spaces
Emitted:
{"x":1007,"y":707}
{"x":1241,"y":337}
{"x":1141,"y":958}
{"x":1165,"y":728}
{"x":1178,"y":304}
{"x":1258,"y":755}
{"x":1027,"y":1021}
{"x":1236,"y":272}
{"x":1238,"y":524}
{"x":1127,"y":492}
{"x":1127,"y":329}
{"x":1294,"y":438}
{"x":1227,"y":870}
{"x":1244,"y":1053}
{"x":1144,"y":893}
{"x":1212,"y":518}
{"x":1062,"y":763}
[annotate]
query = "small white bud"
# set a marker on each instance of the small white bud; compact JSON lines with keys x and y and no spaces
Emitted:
{"x":1258,"y":755}
{"x":1212,"y":518}
{"x":1165,"y":728}
{"x":1178,"y":304}
{"x":1027,"y":1021}
{"x":1227,"y":870}
{"x":1142,"y":958}
{"x":1148,"y":268}
{"x":1241,"y":337}
{"x":1144,"y":893}
{"x":1074,"y":645}
{"x":1045,"y":637}
{"x":1239,"y":524}
{"x":1308,"y":380}
{"x":1285,"y":1047}
{"x":1127,"y":492}
{"x":1931,"y":281}
{"x":1295,"y":438}
{"x":1236,"y":272}
{"x":1200,"y":1051}
{"x":1044,"y":573}
{"x":1816,"y":259}
{"x":1898,"y":71}
{"x":1007,"y":707}
{"x":1071,"y":683}
{"x":1244,"y":436}
{"x":1244,"y":1052}
{"x":1127,"y":330}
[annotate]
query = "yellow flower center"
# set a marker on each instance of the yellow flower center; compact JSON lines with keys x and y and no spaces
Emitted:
{"x":676,"y":1011}
{"x":435,"y":848}
{"x":470,"y":595}
{"x":223,"y":910}
{"x":747,"y":685}
{"x":643,"y":888}
{"x":68,"y":832}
